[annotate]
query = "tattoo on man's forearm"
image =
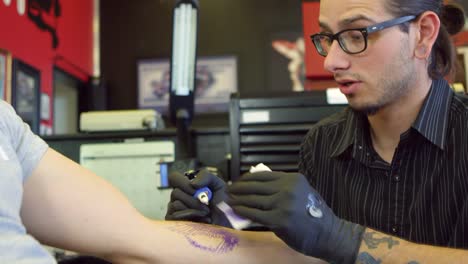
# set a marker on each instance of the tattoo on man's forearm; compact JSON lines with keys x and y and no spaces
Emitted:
{"x":373,"y":243}
{"x":206,"y":237}
{"x":366,"y":258}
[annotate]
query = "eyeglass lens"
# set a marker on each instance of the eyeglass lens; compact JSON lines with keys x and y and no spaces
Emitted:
{"x":351,"y":41}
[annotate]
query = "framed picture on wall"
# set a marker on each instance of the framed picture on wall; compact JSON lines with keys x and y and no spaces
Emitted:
{"x":26,"y":93}
{"x":461,"y":76}
{"x":216,"y":79}
{"x":286,"y":61}
{"x":5,"y":75}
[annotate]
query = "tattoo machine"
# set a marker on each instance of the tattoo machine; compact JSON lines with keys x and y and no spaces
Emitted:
{"x":204,"y":194}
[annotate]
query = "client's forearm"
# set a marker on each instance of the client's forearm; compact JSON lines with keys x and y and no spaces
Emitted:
{"x":185,"y":242}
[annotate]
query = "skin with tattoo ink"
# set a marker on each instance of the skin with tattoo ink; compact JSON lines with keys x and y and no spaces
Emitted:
{"x":207,"y":238}
{"x":373,"y":243}
{"x":366,"y":258}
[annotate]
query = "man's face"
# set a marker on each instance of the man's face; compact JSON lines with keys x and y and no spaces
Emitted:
{"x":381,"y":74}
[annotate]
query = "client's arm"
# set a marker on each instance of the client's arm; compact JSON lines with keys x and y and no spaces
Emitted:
{"x":67,"y":206}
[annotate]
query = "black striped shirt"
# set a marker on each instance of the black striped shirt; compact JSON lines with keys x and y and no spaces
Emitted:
{"x":422,"y":196}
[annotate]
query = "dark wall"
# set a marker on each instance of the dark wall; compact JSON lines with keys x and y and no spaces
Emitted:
{"x":132,"y":30}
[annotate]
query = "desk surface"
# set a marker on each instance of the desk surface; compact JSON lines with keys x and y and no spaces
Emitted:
{"x":168,"y":132}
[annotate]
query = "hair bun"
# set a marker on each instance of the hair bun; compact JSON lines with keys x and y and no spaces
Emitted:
{"x":453,"y":18}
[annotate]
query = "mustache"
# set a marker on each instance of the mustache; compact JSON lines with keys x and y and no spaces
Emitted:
{"x":353,"y":76}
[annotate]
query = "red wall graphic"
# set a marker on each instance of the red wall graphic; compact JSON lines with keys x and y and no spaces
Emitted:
{"x":27,"y":42}
{"x":313,"y":61}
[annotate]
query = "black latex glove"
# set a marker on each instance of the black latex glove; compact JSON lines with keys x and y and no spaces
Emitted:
{"x":296,"y":213}
{"x":183,"y":206}
{"x":218,"y":187}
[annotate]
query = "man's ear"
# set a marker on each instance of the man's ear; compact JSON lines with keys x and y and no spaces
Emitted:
{"x":427,"y":30}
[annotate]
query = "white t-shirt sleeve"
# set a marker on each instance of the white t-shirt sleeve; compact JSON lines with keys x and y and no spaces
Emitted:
{"x":29,"y":147}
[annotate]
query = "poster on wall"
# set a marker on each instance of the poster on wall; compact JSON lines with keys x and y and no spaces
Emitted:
{"x":25,"y":93}
{"x":45,"y":106}
{"x":461,"y":74}
{"x":287,"y":68}
{"x":5,"y":75}
{"x":464,"y":5}
{"x":216,"y":79}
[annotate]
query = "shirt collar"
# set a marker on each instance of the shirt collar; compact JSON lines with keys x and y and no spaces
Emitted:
{"x":353,"y":125}
{"x":431,"y":122}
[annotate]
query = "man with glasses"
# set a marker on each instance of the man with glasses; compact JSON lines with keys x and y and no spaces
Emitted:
{"x":385,"y":181}
{"x":353,"y":40}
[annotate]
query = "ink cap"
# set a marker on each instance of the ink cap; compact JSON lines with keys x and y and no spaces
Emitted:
{"x":204,"y":195}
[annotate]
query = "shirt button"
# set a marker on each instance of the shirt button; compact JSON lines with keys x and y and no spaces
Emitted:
{"x":394,"y":229}
{"x":396,"y":178}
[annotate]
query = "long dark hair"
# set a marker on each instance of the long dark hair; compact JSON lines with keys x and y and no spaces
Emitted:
{"x":443,"y":56}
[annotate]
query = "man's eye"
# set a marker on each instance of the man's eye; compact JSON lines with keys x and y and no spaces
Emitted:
{"x":356,"y":37}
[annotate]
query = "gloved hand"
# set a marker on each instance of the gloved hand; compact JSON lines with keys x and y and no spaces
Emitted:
{"x":183,"y":206}
{"x":297,"y":214}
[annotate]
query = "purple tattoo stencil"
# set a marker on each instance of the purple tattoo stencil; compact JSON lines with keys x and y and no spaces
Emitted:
{"x":207,"y":238}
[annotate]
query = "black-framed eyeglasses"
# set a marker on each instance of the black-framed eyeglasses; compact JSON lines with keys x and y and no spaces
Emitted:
{"x":353,"y":41}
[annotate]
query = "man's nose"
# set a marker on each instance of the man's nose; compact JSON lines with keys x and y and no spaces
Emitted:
{"x":336,"y":59}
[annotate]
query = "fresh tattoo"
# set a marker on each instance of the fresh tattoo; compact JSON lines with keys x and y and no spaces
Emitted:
{"x":207,"y":238}
{"x":366,"y":258}
{"x":373,"y":243}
